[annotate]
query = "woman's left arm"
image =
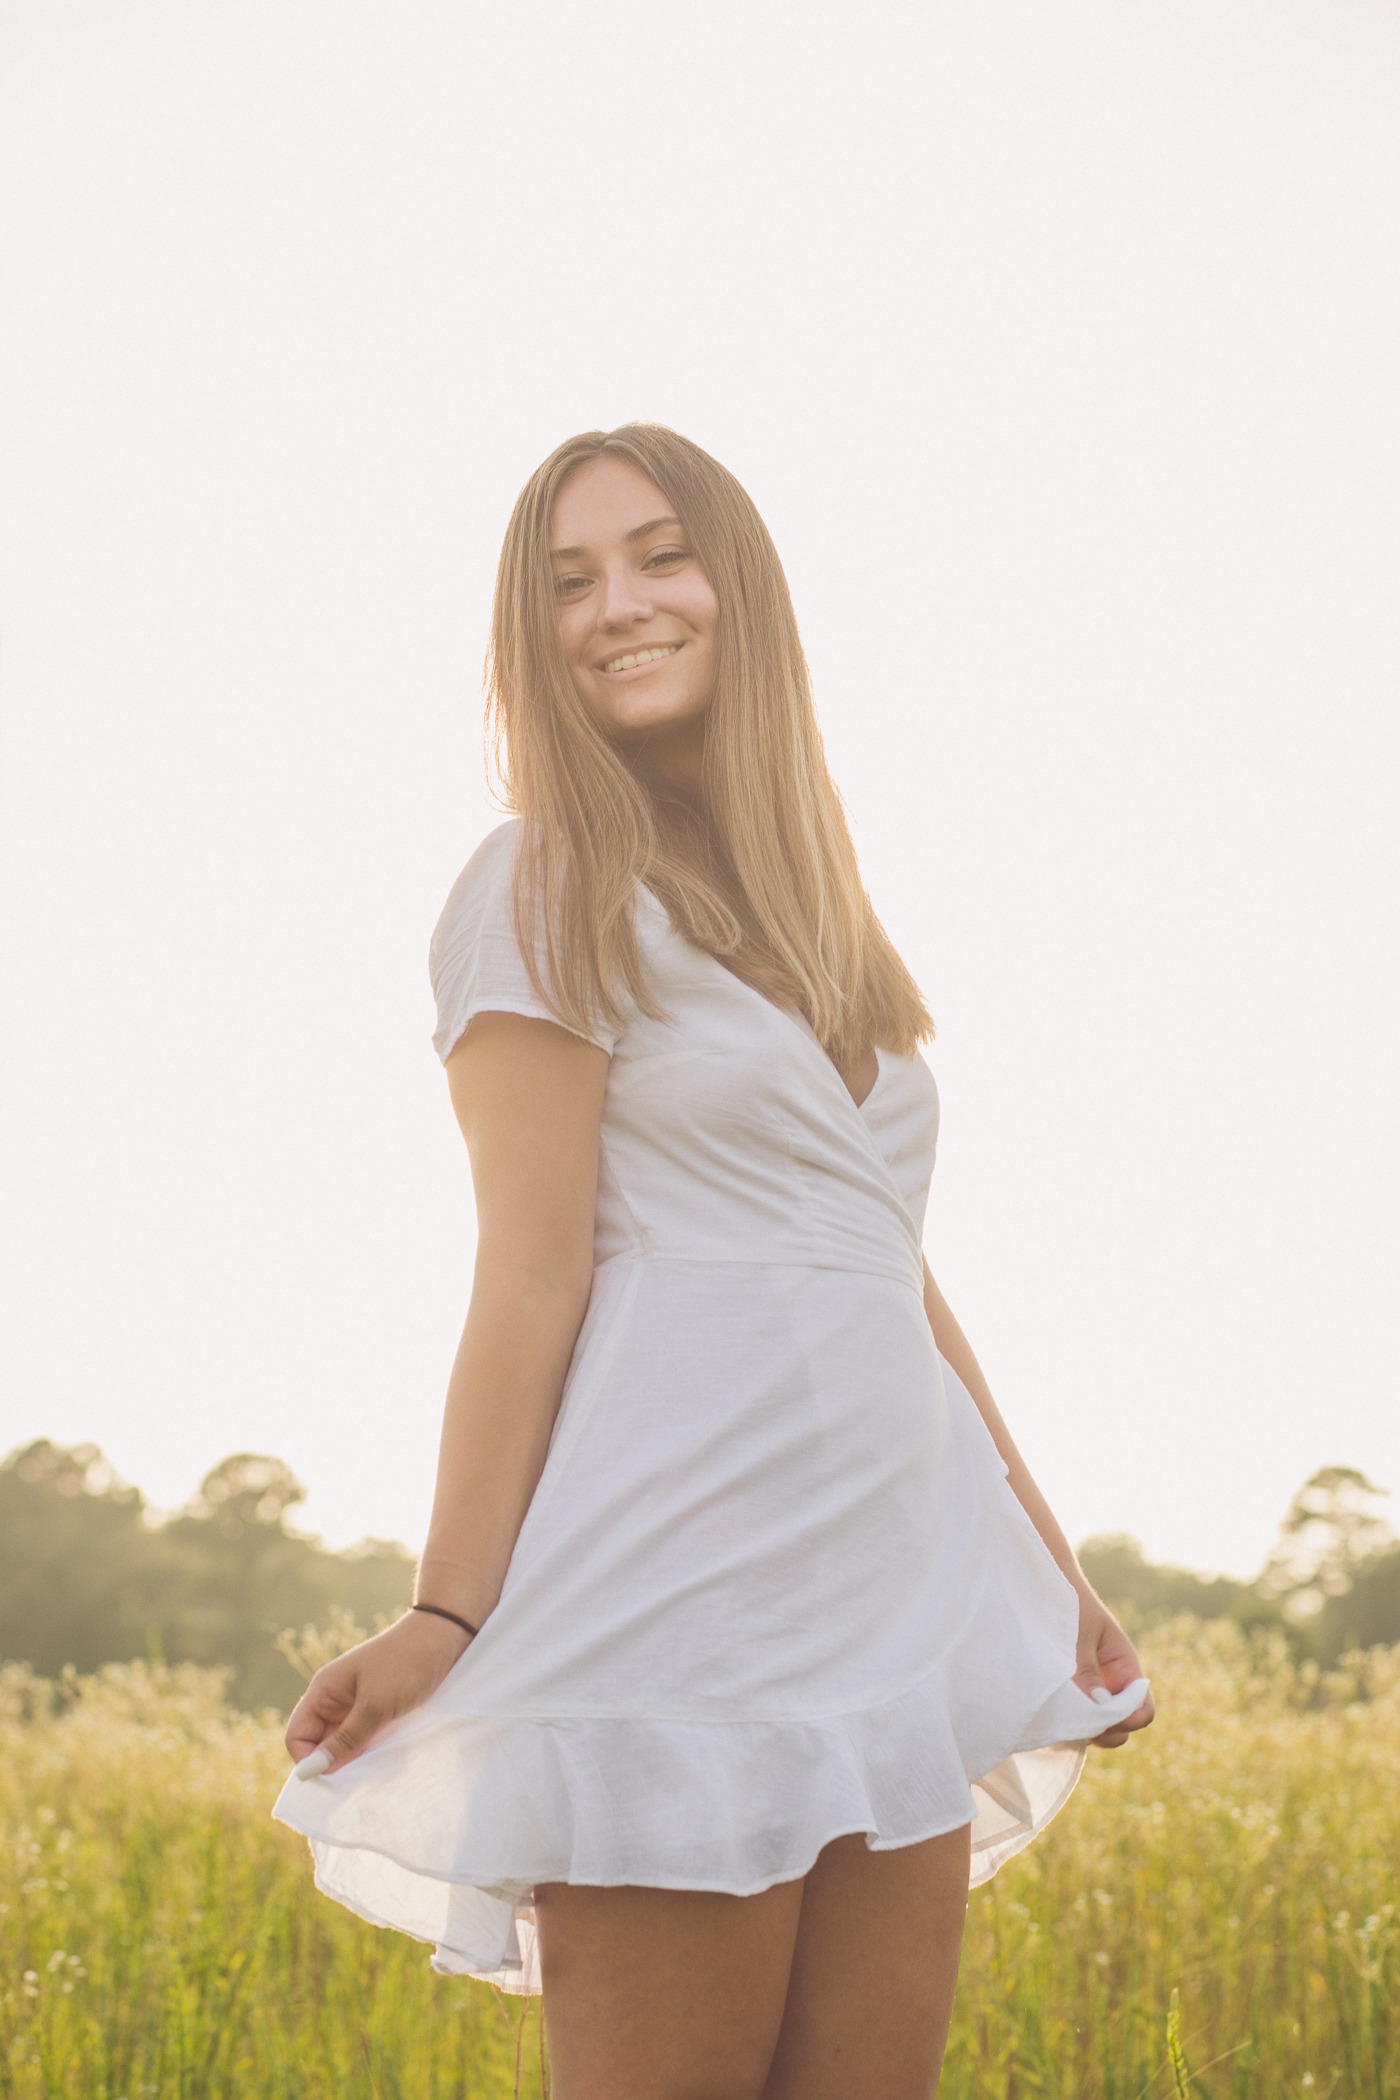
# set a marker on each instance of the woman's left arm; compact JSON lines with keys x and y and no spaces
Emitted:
{"x":1105,"y":1654}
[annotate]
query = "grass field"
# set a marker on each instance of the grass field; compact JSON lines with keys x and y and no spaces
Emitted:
{"x":1217,"y":1911}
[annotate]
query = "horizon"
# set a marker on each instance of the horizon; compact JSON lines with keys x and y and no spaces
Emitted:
{"x":156,"y":1516}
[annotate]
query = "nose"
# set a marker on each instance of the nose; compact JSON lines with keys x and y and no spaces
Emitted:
{"x":621,"y":599}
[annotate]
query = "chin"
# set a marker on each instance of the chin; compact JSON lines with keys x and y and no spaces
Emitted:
{"x":667,"y":724}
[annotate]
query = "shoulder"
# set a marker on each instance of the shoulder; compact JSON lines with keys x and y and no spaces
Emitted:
{"x":482,"y":894}
{"x":488,"y":872}
{"x":475,"y":960}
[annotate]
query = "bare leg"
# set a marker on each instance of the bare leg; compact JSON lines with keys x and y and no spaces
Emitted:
{"x":837,"y":1987}
{"x":664,"y":1994}
{"x":871,"y":1991}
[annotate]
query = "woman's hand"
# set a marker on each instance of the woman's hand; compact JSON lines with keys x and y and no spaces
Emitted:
{"x":349,"y":1700}
{"x":1106,"y":1656}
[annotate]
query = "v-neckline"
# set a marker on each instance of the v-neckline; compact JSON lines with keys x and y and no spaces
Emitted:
{"x":807,"y":1028}
{"x":800,"y":1021}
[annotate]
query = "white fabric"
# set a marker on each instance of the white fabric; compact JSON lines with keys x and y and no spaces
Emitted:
{"x":773,"y":1585}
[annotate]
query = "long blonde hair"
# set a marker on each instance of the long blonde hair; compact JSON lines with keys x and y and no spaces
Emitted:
{"x":763,"y":876}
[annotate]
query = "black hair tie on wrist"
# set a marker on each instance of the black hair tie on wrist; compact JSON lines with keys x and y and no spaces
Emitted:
{"x":438,"y":1613}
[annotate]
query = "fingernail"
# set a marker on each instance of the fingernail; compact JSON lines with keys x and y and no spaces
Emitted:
{"x":313,"y":1764}
{"x":1100,"y":1694}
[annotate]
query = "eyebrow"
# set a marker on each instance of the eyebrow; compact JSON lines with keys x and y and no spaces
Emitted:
{"x":638,"y":532}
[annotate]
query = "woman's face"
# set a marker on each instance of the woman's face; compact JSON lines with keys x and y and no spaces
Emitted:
{"x":637,"y":613}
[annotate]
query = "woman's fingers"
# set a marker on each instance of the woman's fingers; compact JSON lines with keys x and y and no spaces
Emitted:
{"x":322,"y":1706}
{"x":1141,"y":1715}
{"x":1115,"y":1737}
{"x":1106,"y":1662}
{"x":353,"y":1733}
{"x":338,"y":1714}
{"x":334,"y":1746}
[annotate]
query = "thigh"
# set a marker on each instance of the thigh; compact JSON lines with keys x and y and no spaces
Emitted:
{"x":874,"y":1966}
{"x":663,"y":1994}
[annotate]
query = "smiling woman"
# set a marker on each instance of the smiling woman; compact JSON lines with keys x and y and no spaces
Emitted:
{"x":701,"y":774}
{"x":744,"y":1640}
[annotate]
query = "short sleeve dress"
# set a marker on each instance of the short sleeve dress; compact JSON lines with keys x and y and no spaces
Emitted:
{"x":773,"y":1585}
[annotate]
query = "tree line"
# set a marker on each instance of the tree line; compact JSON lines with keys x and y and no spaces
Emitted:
{"x":88,"y":1575}
{"x":1332,"y":1581}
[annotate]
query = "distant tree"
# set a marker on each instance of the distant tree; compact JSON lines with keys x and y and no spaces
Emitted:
{"x":236,"y":1572}
{"x":86,"y":1577}
{"x":79,"y":1581}
{"x":370,"y":1579}
{"x":1331,"y":1534}
{"x":1331,"y":1582}
{"x":1368,"y":1614}
{"x":246,"y":1496}
{"x":1124,"y":1577}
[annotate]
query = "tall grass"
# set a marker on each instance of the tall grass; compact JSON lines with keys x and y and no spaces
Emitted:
{"x":1239,"y":1862}
{"x":1215,"y":1913}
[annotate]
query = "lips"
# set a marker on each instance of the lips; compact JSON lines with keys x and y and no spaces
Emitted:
{"x":633,"y":659}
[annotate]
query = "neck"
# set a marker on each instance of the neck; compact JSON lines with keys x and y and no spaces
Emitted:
{"x":673,"y":762}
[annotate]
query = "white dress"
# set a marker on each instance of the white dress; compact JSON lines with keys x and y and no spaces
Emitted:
{"x":773,"y":1584}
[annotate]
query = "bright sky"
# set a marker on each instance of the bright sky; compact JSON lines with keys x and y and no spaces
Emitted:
{"x":1058,"y":348}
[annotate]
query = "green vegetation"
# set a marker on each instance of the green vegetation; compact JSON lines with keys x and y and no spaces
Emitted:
{"x":160,"y":1938}
{"x":86,"y":1576}
{"x":1332,"y":1581}
{"x":1216,"y":1912}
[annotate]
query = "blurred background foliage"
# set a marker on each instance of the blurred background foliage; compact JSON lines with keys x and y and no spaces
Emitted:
{"x":91,"y":1575}
{"x":1331,"y":1582}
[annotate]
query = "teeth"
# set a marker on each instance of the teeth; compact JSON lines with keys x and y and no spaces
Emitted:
{"x":642,"y":656}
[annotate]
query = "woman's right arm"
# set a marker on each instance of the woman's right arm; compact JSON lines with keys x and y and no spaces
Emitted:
{"x":529,"y":1098}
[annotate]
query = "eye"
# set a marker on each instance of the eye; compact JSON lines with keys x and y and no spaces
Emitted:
{"x":568,"y":586}
{"x":666,"y":554}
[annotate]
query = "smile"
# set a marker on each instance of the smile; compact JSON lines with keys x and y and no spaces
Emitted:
{"x":634,"y":659}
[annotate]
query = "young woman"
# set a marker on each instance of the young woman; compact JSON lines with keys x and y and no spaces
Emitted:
{"x":744,"y":1640}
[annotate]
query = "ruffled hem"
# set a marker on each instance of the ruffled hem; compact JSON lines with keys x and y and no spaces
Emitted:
{"x":459,"y":1825}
